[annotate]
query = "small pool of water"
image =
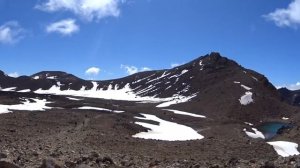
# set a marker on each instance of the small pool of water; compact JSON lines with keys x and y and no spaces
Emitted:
{"x":271,"y":129}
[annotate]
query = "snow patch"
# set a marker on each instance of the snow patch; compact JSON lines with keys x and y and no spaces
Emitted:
{"x":93,"y":108}
{"x":36,"y":77}
{"x":236,"y":82}
{"x":9,"y":89}
{"x":247,"y":123}
{"x":100,"y":109}
{"x":255,"y":135}
{"x":246,"y":87}
{"x":285,"y":148}
{"x":246,"y":99}
{"x":162,"y":76}
{"x":72,"y":98}
{"x":51,"y":77}
{"x":115,"y":93}
{"x":166,"y":130}
{"x":37,"y":105}
{"x":24,"y":91}
{"x":254,"y":78}
{"x":184,"y":71}
{"x":201,"y":65}
{"x":284,"y":118}
{"x":185,"y":113}
{"x":180,"y":99}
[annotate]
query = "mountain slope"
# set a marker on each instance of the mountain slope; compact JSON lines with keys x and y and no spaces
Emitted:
{"x":216,"y":85}
{"x":289,"y":96}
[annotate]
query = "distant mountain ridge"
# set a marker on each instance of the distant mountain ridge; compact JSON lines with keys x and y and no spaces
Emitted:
{"x":209,"y":83}
{"x":162,"y":83}
{"x":290,"y":96}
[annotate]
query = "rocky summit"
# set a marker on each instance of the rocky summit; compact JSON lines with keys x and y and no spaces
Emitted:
{"x":210,"y":112}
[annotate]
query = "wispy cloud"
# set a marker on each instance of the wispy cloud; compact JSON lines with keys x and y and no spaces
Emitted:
{"x":173,"y":65}
{"x":64,"y":27}
{"x":133,"y":69}
{"x":145,"y":69}
{"x":295,"y":86}
{"x":14,"y":74}
{"x":130,"y":69}
{"x":87,"y":9}
{"x":11,"y":32}
{"x":92,"y":71}
{"x":286,"y":17}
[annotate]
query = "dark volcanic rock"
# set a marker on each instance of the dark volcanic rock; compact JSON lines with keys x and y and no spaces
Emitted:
{"x":50,"y":163}
{"x":2,"y":156}
{"x":4,"y":164}
{"x":289,"y":96}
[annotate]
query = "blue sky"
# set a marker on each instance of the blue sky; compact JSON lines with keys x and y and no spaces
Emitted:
{"x":106,"y":39}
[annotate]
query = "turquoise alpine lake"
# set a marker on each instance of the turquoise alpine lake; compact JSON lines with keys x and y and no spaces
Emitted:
{"x":271,"y":129}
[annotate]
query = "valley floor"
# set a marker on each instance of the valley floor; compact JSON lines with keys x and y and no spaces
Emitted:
{"x":72,"y":137}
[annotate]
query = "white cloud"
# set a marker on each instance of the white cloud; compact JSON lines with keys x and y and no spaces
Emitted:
{"x":86,"y":9}
{"x":291,"y":86}
{"x":14,"y":74}
{"x":130,"y":69}
{"x":64,"y":27}
{"x":133,"y":69}
{"x":92,"y":71}
{"x":173,"y":65}
{"x":11,"y":32}
{"x":286,"y":17}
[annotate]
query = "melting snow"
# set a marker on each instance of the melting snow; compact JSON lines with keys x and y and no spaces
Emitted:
{"x":254,"y":78}
{"x":246,"y":99}
{"x":150,"y":87}
{"x":168,"y":87}
{"x":178,"y":75}
{"x":100,"y":109}
{"x":183,"y":71}
{"x":9,"y":89}
{"x":246,"y":87}
{"x":143,"y":79}
{"x":125,"y":93}
{"x":185,"y":113}
{"x":118,"y":111}
{"x":93,"y":108}
{"x":201,"y":64}
{"x":256,"y":134}
{"x":72,"y":98}
{"x":180,"y":99}
{"x":51,"y":77}
{"x":285,"y":148}
{"x":24,"y":91}
{"x":248,"y":123}
{"x":162,"y":76}
{"x":167,"y":131}
{"x":38,"y":105}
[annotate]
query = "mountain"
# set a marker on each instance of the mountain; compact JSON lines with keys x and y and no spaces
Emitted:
{"x":210,"y":111}
{"x":291,"y":97}
{"x":214,"y":83}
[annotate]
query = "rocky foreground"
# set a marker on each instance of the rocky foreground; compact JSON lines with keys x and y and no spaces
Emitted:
{"x":69,"y":137}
